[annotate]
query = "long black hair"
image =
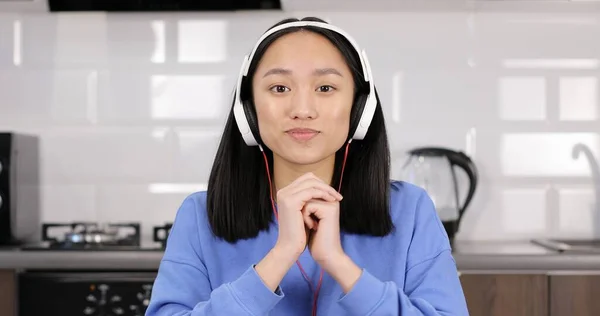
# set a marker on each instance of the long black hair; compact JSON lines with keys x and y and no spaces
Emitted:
{"x":238,"y":194}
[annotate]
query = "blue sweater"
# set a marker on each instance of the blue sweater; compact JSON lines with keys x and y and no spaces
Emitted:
{"x":409,"y":272}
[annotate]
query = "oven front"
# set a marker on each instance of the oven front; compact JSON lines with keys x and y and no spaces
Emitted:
{"x":83,"y":293}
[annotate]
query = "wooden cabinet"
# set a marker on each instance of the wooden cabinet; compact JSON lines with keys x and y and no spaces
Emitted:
{"x":8,"y":297}
{"x":563,"y":294}
{"x":506,"y":294}
{"x":498,"y":294}
{"x":574,"y":295}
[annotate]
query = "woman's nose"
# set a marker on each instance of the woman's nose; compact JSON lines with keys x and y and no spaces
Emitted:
{"x":303,"y":106}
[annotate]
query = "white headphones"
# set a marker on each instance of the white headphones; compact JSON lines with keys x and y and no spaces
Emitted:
{"x":368,"y":108}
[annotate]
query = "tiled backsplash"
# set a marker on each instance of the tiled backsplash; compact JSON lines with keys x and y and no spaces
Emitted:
{"x":129,"y":107}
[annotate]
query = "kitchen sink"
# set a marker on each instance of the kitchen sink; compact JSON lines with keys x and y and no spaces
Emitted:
{"x":570,"y":245}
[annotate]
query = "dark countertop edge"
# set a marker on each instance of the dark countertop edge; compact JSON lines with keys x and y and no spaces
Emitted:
{"x":525,"y":263}
{"x":478,"y":256}
{"x":150,"y":260}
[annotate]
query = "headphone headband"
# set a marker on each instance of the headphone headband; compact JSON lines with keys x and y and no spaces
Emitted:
{"x":369,"y":106}
{"x":315,"y":24}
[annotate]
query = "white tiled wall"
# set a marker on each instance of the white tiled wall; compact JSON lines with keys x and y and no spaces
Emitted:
{"x":129,"y":107}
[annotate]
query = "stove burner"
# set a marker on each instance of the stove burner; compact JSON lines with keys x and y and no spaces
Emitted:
{"x":93,"y":235}
{"x":96,"y":237}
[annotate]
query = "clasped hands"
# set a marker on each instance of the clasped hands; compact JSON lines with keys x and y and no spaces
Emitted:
{"x":309,"y":215}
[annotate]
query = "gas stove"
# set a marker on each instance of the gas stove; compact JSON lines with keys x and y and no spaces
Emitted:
{"x":91,"y":236}
{"x":86,"y":291}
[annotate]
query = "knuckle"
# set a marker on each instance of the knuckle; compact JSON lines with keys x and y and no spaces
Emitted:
{"x":279,"y":193}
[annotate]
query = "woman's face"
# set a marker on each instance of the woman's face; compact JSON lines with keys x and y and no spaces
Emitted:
{"x":303,"y":92}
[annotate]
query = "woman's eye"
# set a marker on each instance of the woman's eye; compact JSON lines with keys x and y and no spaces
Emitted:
{"x":325,"y":88}
{"x":279,"y":89}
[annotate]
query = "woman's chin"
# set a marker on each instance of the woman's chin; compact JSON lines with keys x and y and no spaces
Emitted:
{"x":302,"y":155}
{"x":305,"y":157}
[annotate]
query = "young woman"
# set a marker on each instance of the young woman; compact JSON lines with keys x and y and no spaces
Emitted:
{"x":300,"y":216}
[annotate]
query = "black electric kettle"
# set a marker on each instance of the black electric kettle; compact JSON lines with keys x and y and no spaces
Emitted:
{"x":433,"y":169}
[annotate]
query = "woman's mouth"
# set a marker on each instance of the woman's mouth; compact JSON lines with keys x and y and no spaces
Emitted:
{"x":302,"y":134}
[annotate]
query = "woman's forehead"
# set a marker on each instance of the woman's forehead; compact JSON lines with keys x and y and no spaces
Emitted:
{"x":305,"y":51}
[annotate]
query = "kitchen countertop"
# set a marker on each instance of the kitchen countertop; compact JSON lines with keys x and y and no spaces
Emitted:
{"x":514,"y":257}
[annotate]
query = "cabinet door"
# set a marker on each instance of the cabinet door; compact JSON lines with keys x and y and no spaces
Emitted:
{"x":506,"y":294}
{"x":8,"y":298}
{"x":574,"y":295}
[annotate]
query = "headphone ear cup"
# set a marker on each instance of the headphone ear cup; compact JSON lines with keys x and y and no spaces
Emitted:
{"x":250,"y":112}
{"x":356,"y":113}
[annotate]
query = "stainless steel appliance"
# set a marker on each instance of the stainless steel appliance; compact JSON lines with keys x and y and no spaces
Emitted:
{"x":19,"y":188}
{"x":85,"y":291}
{"x":91,"y":236}
{"x":433,"y":168}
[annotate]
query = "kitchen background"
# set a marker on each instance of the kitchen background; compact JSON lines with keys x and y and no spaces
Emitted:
{"x":129,"y":107}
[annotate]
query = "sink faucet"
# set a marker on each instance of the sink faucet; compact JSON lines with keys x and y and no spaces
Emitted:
{"x":578,"y":149}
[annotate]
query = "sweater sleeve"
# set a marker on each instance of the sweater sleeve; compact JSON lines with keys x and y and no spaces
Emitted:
{"x":182,"y":286}
{"x":431,"y":287}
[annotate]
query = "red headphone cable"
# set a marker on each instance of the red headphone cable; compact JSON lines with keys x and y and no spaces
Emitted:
{"x":304,"y":274}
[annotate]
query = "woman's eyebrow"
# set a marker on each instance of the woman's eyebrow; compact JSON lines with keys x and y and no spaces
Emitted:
{"x":317,"y":72}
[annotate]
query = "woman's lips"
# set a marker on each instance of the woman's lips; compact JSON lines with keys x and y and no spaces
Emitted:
{"x":302,"y":134}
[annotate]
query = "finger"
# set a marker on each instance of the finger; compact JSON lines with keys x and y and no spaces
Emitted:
{"x":316,"y":213}
{"x":300,"y":183}
{"x":312,"y":193}
{"x":317,"y":210}
{"x":296,"y":202}
{"x":308,"y":220}
{"x":315,"y":225}
{"x":312,"y":183}
{"x":317,"y":184}
{"x":305,"y":181}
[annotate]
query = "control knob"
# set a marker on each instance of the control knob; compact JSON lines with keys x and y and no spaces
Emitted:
{"x":144,"y":299}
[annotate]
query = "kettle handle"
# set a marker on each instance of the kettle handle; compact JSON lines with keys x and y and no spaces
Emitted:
{"x":464,"y":162}
{"x":457,"y":158}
